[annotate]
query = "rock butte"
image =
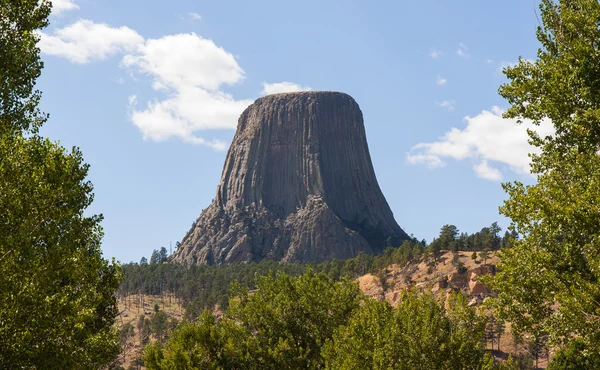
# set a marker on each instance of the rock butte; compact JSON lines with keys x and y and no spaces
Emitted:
{"x":298,"y":185}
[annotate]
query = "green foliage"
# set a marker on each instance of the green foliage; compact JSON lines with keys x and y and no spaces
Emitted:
{"x":57,"y":302}
{"x":144,"y":326}
{"x":158,"y":256}
{"x":419,"y":334}
{"x":291,"y":318}
{"x":557,"y":264}
{"x":485,"y":254}
{"x":576,"y":355}
{"x":509,"y":364}
{"x":202,"y":287}
{"x":198,"y":345}
{"x":160,"y":325}
{"x":20,"y":64}
{"x":282,"y":325}
{"x":487,"y":238}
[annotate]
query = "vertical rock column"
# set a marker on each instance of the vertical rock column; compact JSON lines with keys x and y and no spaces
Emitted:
{"x":297,"y":185}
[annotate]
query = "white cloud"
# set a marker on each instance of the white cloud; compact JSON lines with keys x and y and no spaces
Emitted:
{"x":441,"y":81}
{"x":435,"y":53}
{"x":84,"y":41}
{"x":190,"y":70}
{"x":487,"y":138}
{"x":282,"y":87}
{"x":61,"y":6}
{"x":186,"y":69}
{"x":195,"y":16}
{"x":185,"y":60}
{"x":463,"y":50}
{"x":431,"y":160}
{"x":484,"y":171}
{"x":448,"y":104}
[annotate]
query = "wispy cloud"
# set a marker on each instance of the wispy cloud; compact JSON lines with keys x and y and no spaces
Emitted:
{"x":463,"y":50}
{"x":447,"y":104}
{"x":195,"y":16}
{"x":435,"y":53}
{"x":441,"y":81}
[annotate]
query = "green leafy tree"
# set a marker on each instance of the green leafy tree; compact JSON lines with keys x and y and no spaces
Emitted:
{"x":291,"y":318}
{"x":281,"y":325}
{"x":557,"y":262}
{"x":20,"y":64}
{"x":198,"y":345}
{"x":57,"y":301}
{"x":419,"y":334}
{"x":574,"y":356}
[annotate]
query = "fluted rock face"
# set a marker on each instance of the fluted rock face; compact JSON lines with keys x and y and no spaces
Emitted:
{"x":297,"y":185}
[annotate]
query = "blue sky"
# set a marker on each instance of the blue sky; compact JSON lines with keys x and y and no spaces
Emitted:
{"x":151,"y":92}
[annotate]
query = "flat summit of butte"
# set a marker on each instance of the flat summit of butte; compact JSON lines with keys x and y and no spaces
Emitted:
{"x":297,"y":185}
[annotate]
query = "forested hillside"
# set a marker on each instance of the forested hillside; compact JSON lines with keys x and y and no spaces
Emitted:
{"x":200,"y":287}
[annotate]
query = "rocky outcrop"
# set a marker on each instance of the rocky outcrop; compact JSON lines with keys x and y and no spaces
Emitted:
{"x":297,"y":185}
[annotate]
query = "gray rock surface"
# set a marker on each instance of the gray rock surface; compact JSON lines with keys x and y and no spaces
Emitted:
{"x":297,"y":185}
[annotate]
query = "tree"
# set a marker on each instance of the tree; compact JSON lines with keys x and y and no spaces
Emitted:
{"x":143,"y":261}
{"x":292,"y":318}
{"x":163,"y":254}
{"x":419,"y":334}
{"x":485,"y":254}
{"x":494,"y":230}
{"x":155,"y":257}
{"x":574,"y":357}
{"x":281,"y":325}
{"x":447,"y":237}
{"x":556,"y":262}
{"x":20,"y":64}
{"x":198,"y":345}
{"x":146,"y":330}
{"x":159,"y":322}
{"x":436,"y":249}
{"x":57,"y":301}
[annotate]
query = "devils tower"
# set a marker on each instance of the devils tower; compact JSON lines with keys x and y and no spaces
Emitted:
{"x":297,"y":185}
